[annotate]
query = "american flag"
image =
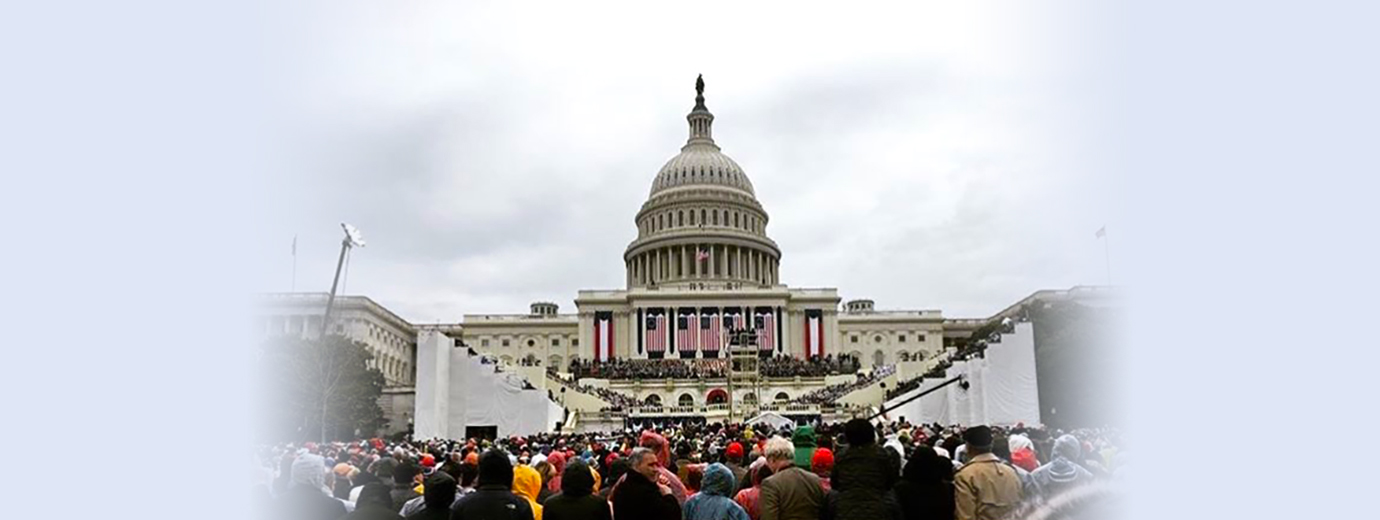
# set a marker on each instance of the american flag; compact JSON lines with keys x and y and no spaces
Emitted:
{"x":766,"y":331}
{"x":656,"y":333}
{"x":700,"y":255}
{"x":709,"y":332}
{"x":685,"y":334}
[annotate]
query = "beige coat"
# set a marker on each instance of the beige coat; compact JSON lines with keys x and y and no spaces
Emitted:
{"x":985,"y":489}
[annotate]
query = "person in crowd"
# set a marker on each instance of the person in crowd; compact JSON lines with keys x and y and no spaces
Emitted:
{"x":1062,"y":473}
{"x":619,"y":467}
{"x":804,"y":441}
{"x":527,"y":484}
{"x":438,"y":497}
{"x":985,"y":488}
{"x":1022,"y":453}
{"x":639,"y":496}
{"x":404,"y":484}
{"x":713,"y":502}
{"x":750,"y":498}
{"x":667,"y":477}
{"x":493,"y":498}
{"x":694,"y":478}
{"x":375,"y":503}
{"x":822,"y":464}
{"x":305,"y":496}
{"x":344,"y":475}
{"x":557,"y":461}
{"x":926,"y":489}
{"x":576,"y":500}
{"x":791,"y":493}
{"x":863,"y":475}
{"x":547,"y":472}
{"x":733,"y":460}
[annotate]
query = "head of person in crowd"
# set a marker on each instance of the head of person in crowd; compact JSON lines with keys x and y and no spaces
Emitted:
{"x":578,"y":480}
{"x":977,"y":440}
{"x":823,"y":462}
{"x":734,"y":453}
{"x":309,"y":470}
{"x":780,"y":453}
{"x":374,"y":497}
{"x":803,"y":439}
{"x":495,"y":470}
{"x":859,"y":432}
{"x":644,"y":462}
{"x":694,"y":477}
{"x":440,"y":491}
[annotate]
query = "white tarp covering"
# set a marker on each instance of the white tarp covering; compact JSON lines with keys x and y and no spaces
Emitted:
{"x":773,"y":419}
{"x":1001,"y":387}
{"x":467,"y":392}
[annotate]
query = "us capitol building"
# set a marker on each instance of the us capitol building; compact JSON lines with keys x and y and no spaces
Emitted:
{"x":702,"y":262}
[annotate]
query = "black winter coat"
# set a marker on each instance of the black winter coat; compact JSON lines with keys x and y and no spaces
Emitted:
{"x":576,"y":500}
{"x":492,"y":502}
{"x":926,"y":489}
{"x":864,"y":476}
{"x":640,"y":499}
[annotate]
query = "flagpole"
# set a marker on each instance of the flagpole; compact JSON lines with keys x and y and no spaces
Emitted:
{"x":294,"y":263}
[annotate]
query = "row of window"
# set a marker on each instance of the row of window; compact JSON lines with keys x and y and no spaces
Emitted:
{"x":920,"y":338}
{"x":555,"y":342}
{"x":706,"y":217}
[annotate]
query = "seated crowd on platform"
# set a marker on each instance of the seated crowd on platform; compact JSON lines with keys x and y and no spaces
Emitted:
{"x":975,"y":349}
{"x":780,"y":365}
{"x":830,"y":393}
{"x":696,"y":471}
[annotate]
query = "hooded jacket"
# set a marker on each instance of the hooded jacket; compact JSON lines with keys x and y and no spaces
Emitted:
{"x":557,"y":461}
{"x":577,"y":500}
{"x":713,"y":502}
{"x":804,"y":441}
{"x":926,"y":490}
{"x":527,"y":484}
{"x":1061,"y":473}
{"x":306,"y":498}
{"x":493,"y":498}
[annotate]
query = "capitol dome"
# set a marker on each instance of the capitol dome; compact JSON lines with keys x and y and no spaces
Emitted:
{"x":702,"y":222}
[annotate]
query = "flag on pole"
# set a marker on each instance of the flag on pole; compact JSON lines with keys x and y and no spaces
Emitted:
{"x":294,"y":245}
{"x":1102,"y":232}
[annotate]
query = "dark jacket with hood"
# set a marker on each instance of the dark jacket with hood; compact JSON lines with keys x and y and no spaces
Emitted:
{"x":926,"y":489}
{"x":577,"y":500}
{"x":640,"y":499}
{"x":863,"y":476}
{"x":374,"y":504}
{"x":493,"y":498}
{"x":439,"y":496}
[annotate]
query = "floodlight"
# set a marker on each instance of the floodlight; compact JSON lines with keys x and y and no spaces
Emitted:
{"x":353,"y":235}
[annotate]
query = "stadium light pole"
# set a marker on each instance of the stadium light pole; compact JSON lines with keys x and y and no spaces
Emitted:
{"x":352,"y":239}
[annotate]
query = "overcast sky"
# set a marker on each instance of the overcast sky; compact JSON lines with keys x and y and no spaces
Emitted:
{"x":931,"y":156}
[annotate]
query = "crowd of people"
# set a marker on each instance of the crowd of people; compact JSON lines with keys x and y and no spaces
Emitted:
{"x":785,"y":365}
{"x":779,"y":365}
{"x":650,"y":369}
{"x":698,"y":471}
{"x":618,"y":400}
{"x":829,"y":394}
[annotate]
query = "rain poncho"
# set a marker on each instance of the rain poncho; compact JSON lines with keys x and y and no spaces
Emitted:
{"x":712,"y":502}
{"x":526,"y":485}
{"x":804,"y":441}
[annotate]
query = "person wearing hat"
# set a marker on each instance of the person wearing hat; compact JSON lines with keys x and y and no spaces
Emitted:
{"x":733,"y":460}
{"x":822,"y":463}
{"x":1063,"y":472}
{"x":985,"y":488}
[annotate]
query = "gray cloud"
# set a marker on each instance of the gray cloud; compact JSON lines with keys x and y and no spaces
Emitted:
{"x":919,"y":181}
